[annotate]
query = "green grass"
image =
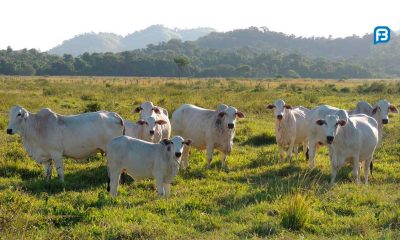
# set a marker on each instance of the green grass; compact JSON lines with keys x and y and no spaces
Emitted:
{"x":257,"y":198}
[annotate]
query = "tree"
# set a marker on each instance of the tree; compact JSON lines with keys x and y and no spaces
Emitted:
{"x":181,"y":63}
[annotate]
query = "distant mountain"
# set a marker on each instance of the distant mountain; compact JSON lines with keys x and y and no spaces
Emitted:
{"x":89,"y":42}
{"x":110,"y":42}
{"x":262,"y":39}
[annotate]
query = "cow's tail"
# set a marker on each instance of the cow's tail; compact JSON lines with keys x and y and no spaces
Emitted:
{"x":308,"y":154}
{"x":121,"y":122}
{"x":371,"y":166}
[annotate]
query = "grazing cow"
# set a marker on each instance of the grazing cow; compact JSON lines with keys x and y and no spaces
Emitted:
{"x":141,"y":159}
{"x":290,"y":128}
{"x":315,"y":135}
{"x":145,"y":129}
{"x":380,"y":112}
{"x":49,"y":136}
{"x":147,"y":109}
{"x":207,"y":128}
{"x":353,"y":138}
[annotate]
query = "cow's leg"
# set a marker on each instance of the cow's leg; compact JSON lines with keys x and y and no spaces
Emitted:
{"x":312,"y":149}
{"x":167,"y":189}
{"x":160,"y":185}
{"x":334,"y":167}
{"x":290,"y":151}
{"x":305,"y":149}
{"x":296,"y":151}
{"x":281,"y":153}
{"x":48,"y":169}
{"x":113,"y":182}
{"x":59,"y":166}
{"x":210,"y":149}
{"x":223,"y":161}
{"x":367,"y":165}
{"x":356,"y":168}
{"x":185,"y":156}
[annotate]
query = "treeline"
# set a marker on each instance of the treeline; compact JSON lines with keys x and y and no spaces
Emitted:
{"x":161,"y":61}
{"x":250,"y":52}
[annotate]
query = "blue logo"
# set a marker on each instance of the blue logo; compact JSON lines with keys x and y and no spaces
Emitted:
{"x":381,"y":34}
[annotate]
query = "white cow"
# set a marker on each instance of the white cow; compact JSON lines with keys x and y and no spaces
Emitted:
{"x":315,"y":134}
{"x":145,"y":129}
{"x":147,"y":109}
{"x":353,"y":138}
{"x":207,"y":128}
{"x":141,"y":159}
{"x":290,"y":128}
{"x":49,"y":136}
{"x":380,"y":112}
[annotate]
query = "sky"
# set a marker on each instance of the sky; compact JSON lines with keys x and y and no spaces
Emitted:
{"x":43,"y":24}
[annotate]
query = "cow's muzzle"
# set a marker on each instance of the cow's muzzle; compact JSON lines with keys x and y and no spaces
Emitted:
{"x":178,"y":154}
{"x":279,"y":117}
{"x":231,"y":125}
{"x":329,"y":139}
{"x":385,"y":121}
{"x":10,"y":131}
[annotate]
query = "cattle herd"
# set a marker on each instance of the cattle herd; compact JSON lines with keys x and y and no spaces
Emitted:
{"x":145,"y":149}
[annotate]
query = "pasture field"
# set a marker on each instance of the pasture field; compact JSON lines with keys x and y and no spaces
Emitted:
{"x":257,"y":198}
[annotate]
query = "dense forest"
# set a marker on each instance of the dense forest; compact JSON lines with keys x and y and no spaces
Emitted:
{"x":249,"y":52}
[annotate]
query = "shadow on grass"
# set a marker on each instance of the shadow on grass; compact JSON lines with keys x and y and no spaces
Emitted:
{"x":74,"y":181}
{"x":24,"y":173}
{"x":260,"y":140}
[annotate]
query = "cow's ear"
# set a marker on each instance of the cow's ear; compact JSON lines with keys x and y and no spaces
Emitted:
{"x":342,"y":122}
{"x":188,"y":142}
{"x":141,"y":122}
{"x":138,"y":109}
{"x":288,"y":106}
{"x":270,"y":106}
{"x":393,"y":109}
{"x":375,"y":109}
{"x":24,"y":115}
{"x":156,"y":110}
{"x":221,"y":114}
{"x":240,"y":114}
{"x":161,"y":122}
{"x":165,"y":141}
{"x":320,"y":122}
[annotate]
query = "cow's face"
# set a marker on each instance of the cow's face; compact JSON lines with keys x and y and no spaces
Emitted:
{"x":381,"y":111}
{"x":331,"y":123}
{"x":146,"y":110}
{"x":16,"y":116}
{"x":279,"y":107}
{"x":227,"y":117}
{"x":150,"y":124}
{"x":175,"y":146}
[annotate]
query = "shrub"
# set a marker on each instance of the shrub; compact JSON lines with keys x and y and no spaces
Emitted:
{"x":86,"y":97}
{"x":296,"y":213}
{"x":345,"y":90}
{"x":92,"y":107}
{"x":311,"y":97}
{"x":49,"y":91}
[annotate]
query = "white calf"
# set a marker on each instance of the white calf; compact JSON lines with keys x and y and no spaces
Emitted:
{"x":290,"y":128}
{"x":207,"y":128}
{"x":146,"y":130}
{"x":141,"y":159}
{"x":353,"y":138}
{"x":147,"y":109}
